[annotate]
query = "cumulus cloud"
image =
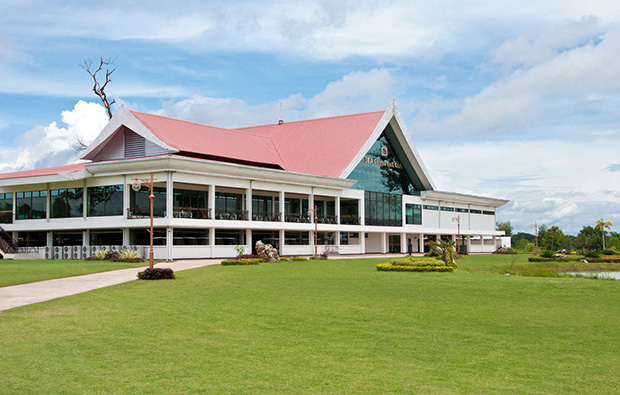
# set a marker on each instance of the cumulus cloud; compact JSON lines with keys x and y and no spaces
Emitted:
{"x":355,"y":92}
{"x":52,"y":145}
{"x":555,"y":182}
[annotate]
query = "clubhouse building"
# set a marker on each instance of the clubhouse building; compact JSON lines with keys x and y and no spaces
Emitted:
{"x":217,"y":188}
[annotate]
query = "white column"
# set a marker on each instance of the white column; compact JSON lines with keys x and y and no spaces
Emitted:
{"x":86,"y":237}
{"x":169,"y":243}
{"x":311,"y":205}
{"x":126,"y":197}
{"x":363,"y":242}
{"x":403,"y":243}
{"x":50,"y":239}
{"x":481,"y":243}
{"x":281,"y":209}
{"x":15,"y":216}
{"x":384,"y":237}
{"x":361,"y":207}
{"x":126,"y":240}
{"x":494,"y":243}
{"x":248,"y":201}
{"x":468,"y":241}
{"x":421,"y":243}
{"x":169,"y":195}
{"x":281,"y":241}
{"x":248,"y":241}
{"x":337,"y":212}
{"x":439,"y":216}
{"x":212,"y":201}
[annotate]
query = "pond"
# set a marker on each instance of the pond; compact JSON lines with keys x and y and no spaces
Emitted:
{"x":605,"y":275}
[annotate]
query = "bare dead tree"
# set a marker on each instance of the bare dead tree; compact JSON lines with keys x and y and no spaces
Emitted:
{"x":98,"y":87}
{"x":79,"y":144}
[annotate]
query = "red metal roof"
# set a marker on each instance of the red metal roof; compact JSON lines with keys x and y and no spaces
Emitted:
{"x":324,"y":146}
{"x":44,"y":172}
{"x":210,"y":141}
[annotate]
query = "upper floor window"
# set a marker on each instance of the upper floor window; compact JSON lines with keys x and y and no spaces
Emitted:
{"x":66,"y":202}
{"x":426,"y":207}
{"x":414,"y":214}
{"x":105,"y":200}
{"x":451,"y":209}
{"x":31,"y":205}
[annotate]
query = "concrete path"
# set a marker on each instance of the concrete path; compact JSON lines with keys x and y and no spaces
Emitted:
{"x":25,"y":294}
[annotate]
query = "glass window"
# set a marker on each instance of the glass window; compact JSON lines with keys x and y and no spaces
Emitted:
{"x":190,"y":237}
{"x":106,"y":238}
{"x":230,"y":237}
{"x":296,"y":238}
{"x":325,"y":238}
{"x":262,"y":204}
{"x":414,"y":214}
{"x":451,"y":209}
{"x":105,"y":200}
{"x":488,"y":212}
{"x":32,"y":239}
{"x":66,"y":202}
{"x":348,"y":238}
{"x":462,"y":210}
{"x":141,"y":237}
{"x":475,"y":211}
{"x":31,"y":205}
{"x":186,"y":198}
{"x":382,"y":171}
{"x":383,"y":209}
{"x":140,"y":203}
{"x":69,"y":238}
{"x":228,"y":202}
{"x":6,"y":208}
{"x":430,"y":207}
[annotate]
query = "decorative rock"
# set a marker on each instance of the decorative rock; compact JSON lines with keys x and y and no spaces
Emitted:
{"x":267,"y":252}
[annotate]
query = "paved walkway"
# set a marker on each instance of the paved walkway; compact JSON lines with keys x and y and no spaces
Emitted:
{"x":25,"y":294}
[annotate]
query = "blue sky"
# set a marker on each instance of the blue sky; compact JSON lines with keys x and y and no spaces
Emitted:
{"x":518,"y":99}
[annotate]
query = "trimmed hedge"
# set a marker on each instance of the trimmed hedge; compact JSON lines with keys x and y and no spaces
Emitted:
{"x":574,"y":259}
{"x":417,"y":262}
{"x":389,"y":267}
{"x":232,"y":262}
{"x":157,"y":273}
{"x":293,"y":258}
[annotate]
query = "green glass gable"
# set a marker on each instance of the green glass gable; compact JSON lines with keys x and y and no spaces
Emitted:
{"x":381,"y":169}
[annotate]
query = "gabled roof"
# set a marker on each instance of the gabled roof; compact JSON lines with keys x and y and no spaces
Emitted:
{"x":211,"y":141}
{"x":44,"y":172}
{"x":324,"y":146}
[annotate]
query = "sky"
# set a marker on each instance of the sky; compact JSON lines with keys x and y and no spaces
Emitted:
{"x":513,"y":99}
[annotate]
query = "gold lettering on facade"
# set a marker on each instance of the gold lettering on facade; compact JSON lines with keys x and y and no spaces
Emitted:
{"x":374,"y":161}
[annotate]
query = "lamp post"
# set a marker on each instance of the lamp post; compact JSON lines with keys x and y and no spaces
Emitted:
{"x":137,"y":185}
{"x":457,"y":219}
{"x":313,"y":212}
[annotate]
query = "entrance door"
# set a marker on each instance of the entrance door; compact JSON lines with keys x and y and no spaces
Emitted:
{"x":394,"y":243}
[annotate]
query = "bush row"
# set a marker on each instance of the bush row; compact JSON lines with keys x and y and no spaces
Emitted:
{"x":574,"y":259}
{"x":157,"y":273}
{"x":232,"y":262}
{"x":417,"y":262}
{"x":389,"y":267}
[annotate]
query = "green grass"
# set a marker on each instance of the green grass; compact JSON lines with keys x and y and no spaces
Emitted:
{"x":320,"y":327}
{"x":22,"y":272}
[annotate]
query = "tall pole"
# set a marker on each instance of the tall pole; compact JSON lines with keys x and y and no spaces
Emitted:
{"x":151,"y":198}
{"x":315,"y":233}
{"x":457,"y":219}
{"x":535,"y":226}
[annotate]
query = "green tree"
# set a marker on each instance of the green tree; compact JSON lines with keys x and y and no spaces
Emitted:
{"x":506,"y":226}
{"x":552,"y":238}
{"x":588,"y":239}
{"x":523,"y":245}
{"x":603,"y":225}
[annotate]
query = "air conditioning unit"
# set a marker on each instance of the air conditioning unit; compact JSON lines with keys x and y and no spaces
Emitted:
{"x":48,"y":253}
{"x":86,"y":252}
{"x":66,"y":252}
{"x":77,"y":252}
{"x":58,"y":253}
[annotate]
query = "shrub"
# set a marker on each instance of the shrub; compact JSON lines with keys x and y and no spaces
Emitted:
{"x":547,"y":254}
{"x":240,"y":250}
{"x":249,"y":256}
{"x":592,"y":254}
{"x":129,"y":254}
{"x":319,"y":257}
{"x":610,"y":252}
{"x":157,"y":273}
{"x":232,"y":262}
{"x":389,"y":267}
{"x":100,"y":253}
{"x":299,"y":258}
{"x":417,"y":262}
{"x":504,"y":250}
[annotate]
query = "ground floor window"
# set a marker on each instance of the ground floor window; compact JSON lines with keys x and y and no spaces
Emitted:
{"x":229,"y":237}
{"x":190,"y":237}
{"x":32,"y":239}
{"x":69,"y":238}
{"x":296,"y":238}
{"x":141,"y":237}
{"x":325,"y":238}
{"x":106,"y":237}
{"x":267,"y":237}
{"x":347,"y":238}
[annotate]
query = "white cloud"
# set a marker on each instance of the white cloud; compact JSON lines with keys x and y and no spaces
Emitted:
{"x":550,"y":181}
{"x":514,"y":103}
{"x":355,"y":92}
{"x":51,"y":145}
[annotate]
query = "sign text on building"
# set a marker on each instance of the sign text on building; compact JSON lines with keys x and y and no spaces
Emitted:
{"x":374,"y":161}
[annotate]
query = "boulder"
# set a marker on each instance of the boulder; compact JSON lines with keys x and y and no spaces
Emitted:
{"x":267,"y":252}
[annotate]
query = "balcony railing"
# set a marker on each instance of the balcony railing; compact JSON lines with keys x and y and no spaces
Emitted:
{"x":6,"y":217}
{"x":266,"y":216}
{"x":231,"y":215}
{"x":145,"y":212}
{"x":326,"y":219}
{"x":191,"y":212}
{"x":350,"y":220}
{"x":383,"y":221}
{"x":294,"y":217}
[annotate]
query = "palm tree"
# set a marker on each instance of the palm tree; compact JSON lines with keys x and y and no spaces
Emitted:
{"x":602,"y":225}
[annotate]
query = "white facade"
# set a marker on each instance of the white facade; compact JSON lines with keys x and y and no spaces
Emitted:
{"x":351,"y":235}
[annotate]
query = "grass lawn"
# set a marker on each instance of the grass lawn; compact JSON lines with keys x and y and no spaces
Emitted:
{"x":22,"y":272}
{"x":333,"y":327}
